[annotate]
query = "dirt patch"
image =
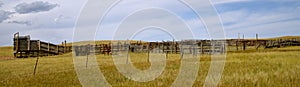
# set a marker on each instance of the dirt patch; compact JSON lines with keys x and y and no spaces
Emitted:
{"x":7,"y":58}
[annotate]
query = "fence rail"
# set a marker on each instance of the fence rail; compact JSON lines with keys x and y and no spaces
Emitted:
{"x":24,"y":47}
{"x":173,"y":47}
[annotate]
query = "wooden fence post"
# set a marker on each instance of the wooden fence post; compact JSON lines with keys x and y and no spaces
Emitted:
{"x":148,"y":52}
{"x":172,"y":46}
{"x":65,"y":46}
{"x":163,"y":47}
{"x":127,"y":56}
{"x":181,"y":51}
{"x":158,"y":46}
{"x":87,"y":47}
{"x":57,"y":49}
{"x":48,"y":49}
{"x":244,"y":45}
{"x":202,"y":50}
{"x":257,"y":44}
{"x":36,"y":64}
{"x":237,"y":45}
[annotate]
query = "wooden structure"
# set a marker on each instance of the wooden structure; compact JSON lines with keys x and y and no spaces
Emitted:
{"x":282,"y":43}
{"x":173,"y":47}
{"x":278,"y":43}
{"x":24,"y":47}
{"x":186,"y":46}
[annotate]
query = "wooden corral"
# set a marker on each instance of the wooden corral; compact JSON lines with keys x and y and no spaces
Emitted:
{"x":186,"y":46}
{"x":277,"y":43}
{"x":173,"y":47}
{"x":282,"y":43}
{"x":24,"y":47}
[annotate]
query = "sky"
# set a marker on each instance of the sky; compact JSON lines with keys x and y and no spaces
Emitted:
{"x":154,"y":20}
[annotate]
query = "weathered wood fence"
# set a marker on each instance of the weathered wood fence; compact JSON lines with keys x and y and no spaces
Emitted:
{"x":243,"y":43}
{"x":173,"y":47}
{"x":24,"y":47}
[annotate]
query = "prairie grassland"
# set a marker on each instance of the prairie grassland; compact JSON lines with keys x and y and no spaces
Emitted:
{"x":6,"y":51}
{"x":264,"y":68}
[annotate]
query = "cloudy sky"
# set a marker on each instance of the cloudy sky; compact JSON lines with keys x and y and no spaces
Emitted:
{"x":55,"y":20}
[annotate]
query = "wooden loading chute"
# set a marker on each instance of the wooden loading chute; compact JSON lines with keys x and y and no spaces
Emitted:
{"x":24,"y":47}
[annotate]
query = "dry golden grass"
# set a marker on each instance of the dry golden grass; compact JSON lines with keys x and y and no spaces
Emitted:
{"x":267,"y":68}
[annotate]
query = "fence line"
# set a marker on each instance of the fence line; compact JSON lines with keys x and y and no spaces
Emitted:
{"x":24,"y":47}
{"x":171,"y":47}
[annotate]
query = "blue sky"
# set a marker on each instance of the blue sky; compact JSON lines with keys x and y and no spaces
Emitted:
{"x":54,"y":20}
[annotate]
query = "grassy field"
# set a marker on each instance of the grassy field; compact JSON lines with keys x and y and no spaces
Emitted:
{"x":274,"y":67}
{"x":6,"y":51}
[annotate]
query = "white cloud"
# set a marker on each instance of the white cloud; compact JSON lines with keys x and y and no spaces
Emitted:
{"x":253,"y":19}
{"x":27,"y":23}
{"x":34,"y":7}
{"x":124,"y":9}
{"x":280,"y":21}
{"x":55,"y":36}
{"x":227,"y":1}
{"x":276,"y":29}
{"x":234,"y":16}
{"x":43,"y":25}
{"x":1,"y":3}
{"x":61,"y":20}
{"x":4,"y":15}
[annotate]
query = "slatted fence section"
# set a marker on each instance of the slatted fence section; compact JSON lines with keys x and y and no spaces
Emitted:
{"x":173,"y":47}
{"x":24,"y":47}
